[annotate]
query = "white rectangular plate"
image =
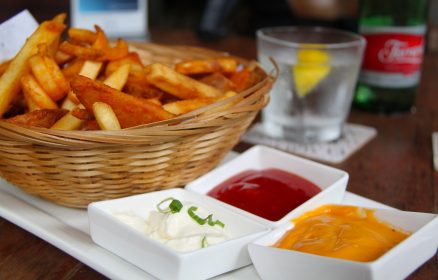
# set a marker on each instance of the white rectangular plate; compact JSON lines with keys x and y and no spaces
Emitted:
{"x":68,"y":229}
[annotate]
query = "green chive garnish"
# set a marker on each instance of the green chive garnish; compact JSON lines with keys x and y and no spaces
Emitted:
{"x":174,"y":207}
{"x":202,"y":221}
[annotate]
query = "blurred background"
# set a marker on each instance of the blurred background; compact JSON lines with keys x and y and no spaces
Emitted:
{"x":214,"y":19}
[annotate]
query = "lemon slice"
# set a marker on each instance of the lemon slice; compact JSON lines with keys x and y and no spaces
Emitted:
{"x":311,"y":68}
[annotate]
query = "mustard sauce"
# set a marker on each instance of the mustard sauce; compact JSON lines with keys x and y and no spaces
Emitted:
{"x":345,"y":232}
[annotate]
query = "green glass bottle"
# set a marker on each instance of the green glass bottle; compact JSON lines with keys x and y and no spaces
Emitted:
{"x":395,"y":33}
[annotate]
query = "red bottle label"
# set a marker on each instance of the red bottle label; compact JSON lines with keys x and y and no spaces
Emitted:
{"x":394,"y":53}
{"x":393,"y":56}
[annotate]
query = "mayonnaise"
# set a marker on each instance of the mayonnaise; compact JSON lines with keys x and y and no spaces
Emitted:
{"x":177,"y":230}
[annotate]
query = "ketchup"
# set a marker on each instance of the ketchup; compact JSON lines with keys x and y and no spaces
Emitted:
{"x":268,"y":193}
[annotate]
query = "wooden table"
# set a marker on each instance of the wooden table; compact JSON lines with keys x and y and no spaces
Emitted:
{"x":395,"y":168}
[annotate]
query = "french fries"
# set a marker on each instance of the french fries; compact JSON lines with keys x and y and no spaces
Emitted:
{"x":119,"y":77}
{"x":61,"y":57}
{"x":80,"y":51}
{"x":130,"y":110}
{"x":105,"y":116}
{"x":39,"y":118}
{"x":30,"y":103}
{"x":72,"y":68}
{"x":184,"y":106}
{"x":100,"y":49}
{"x":119,"y":51}
{"x":69,"y":121}
{"x":245,"y":78}
{"x":63,"y":86}
{"x":46,"y":33}
{"x":89,"y":69}
{"x":81,"y":36}
{"x":131,"y":58}
{"x":33,"y":90}
{"x":87,"y":82}
{"x":193,"y":67}
{"x":81,"y":113}
{"x":3,"y":66}
{"x":177,"y":84}
{"x":219,"y":81}
{"x":49,"y":76}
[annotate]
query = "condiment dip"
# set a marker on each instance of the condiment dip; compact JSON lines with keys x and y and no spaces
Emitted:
{"x":268,"y":193}
{"x":339,"y":231}
{"x":182,"y":226}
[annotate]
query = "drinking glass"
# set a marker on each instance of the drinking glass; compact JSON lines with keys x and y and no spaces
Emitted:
{"x":318,"y":70}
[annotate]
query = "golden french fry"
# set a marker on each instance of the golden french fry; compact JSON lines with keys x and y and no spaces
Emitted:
{"x":71,"y":95}
{"x":30,"y":103}
{"x":100,"y":50}
{"x":4,"y":65}
{"x":228,"y":94}
{"x":61,"y":57}
{"x":82,"y":35}
{"x":101,"y":42}
{"x":39,"y":71}
{"x":130,"y":110}
{"x":90,"y":125}
{"x":72,"y":68}
{"x":142,"y":90}
{"x":69,"y":122}
{"x":243,"y":79}
{"x":155,"y":100}
{"x":80,"y":51}
{"x":177,"y":84}
{"x":40,"y":118}
{"x":90,"y":69}
{"x":70,"y":102}
{"x":118,"y":78}
{"x":105,"y":116}
{"x":50,"y":49}
{"x":60,"y":18}
{"x":49,"y":76}
{"x":207,"y":66}
{"x":219,"y":81}
{"x":81,"y":113}
{"x":119,"y":51}
{"x":185,"y":106}
{"x":55,"y":72}
{"x":10,"y":84}
{"x":36,"y":92}
{"x":137,"y":85}
{"x":131,"y":58}
{"x":228,"y":64}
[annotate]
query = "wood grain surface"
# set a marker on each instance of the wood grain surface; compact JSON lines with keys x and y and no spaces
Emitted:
{"x":395,"y":168}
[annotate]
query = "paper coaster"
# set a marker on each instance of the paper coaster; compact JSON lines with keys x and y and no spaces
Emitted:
{"x":353,"y":138}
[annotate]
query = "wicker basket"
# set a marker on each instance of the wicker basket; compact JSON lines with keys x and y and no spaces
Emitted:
{"x":74,"y":168}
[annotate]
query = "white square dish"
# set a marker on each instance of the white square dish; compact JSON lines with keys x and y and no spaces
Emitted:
{"x":332,"y":181}
{"x":157,"y":258}
{"x":395,"y":264}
